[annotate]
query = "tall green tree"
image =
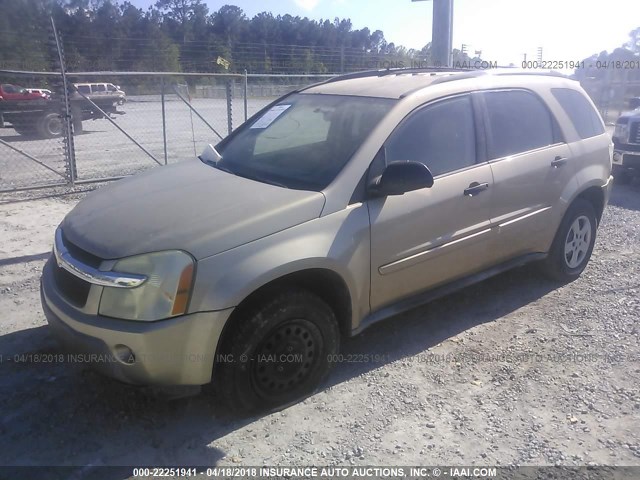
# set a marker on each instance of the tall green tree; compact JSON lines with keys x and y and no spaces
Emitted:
{"x":182,"y":35}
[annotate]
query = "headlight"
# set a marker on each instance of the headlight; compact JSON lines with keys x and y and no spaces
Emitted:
{"x":621,"y":131}
{"x":164,"y":294}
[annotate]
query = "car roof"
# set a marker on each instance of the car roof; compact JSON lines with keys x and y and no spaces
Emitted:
{"x":398,"y":83}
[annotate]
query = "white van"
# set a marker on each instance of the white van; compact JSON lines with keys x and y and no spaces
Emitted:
{"x":95,"y":89}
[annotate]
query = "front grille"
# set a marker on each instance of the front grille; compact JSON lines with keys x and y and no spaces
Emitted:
{"x":631,"y":161}
{"x":80,"y":254}
{"x":634,"y":133}
{"x":74,"y":289}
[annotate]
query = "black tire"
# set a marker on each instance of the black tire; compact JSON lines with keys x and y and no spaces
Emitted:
{"x":572,"y":246}
{"x":50,"y":126}
{"x":281,"y":349}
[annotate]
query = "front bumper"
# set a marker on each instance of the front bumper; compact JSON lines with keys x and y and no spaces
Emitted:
{"x":626,"y":158}
{"x":177,"y":351}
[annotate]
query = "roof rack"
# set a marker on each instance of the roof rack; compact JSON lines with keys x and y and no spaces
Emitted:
{"x":546,"y":73}
{"x":462,"y":73}
{"x":393,"y":71}
{"x":425,"y":70}
{"x":462,"y":76}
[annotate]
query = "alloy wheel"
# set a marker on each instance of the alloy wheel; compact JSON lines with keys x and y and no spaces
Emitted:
{"x":577,"y":241}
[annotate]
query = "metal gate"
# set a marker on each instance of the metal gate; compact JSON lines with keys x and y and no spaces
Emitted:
{"x":162,"y":118}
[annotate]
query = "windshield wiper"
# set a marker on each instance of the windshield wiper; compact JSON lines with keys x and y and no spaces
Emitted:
{"x":224,"y":169}
{"x":258,"y":178}
{"x":216,"y":165}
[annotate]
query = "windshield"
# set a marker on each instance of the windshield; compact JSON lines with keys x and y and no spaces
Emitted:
{"x":9,"y":88}
{"x":303,"y":141}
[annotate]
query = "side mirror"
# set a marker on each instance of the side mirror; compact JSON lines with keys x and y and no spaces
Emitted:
{"x":634,"y":103}
{"x":210,"y":155}
{"x":401,"y":177}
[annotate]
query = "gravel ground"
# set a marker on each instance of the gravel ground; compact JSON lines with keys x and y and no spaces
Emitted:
{"x":516,"y":370}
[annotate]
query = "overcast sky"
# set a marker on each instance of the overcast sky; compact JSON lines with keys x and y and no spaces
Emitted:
{"x":503,"y":29}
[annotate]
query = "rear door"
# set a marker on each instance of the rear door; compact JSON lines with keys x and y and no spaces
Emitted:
{"x":431,"y":236}
{"x":531,"y":166}
{"x":591,"y":146}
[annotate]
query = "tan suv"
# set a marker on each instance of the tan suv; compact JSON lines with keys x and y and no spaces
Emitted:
{"x":334,"y":207}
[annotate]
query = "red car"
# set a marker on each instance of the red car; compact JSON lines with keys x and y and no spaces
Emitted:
{"x":9,"y":91}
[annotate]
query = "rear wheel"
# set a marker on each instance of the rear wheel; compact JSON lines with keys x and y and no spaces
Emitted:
{"x":50,"y":125}
{"x":277,"y":352}
{"x":573,"y":244}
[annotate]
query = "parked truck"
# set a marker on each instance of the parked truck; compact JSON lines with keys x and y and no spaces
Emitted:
{"x":37,"y":115}
{"x":626,"y":143}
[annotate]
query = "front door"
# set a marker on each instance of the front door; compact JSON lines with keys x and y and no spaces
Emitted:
{"x":430,"y":236}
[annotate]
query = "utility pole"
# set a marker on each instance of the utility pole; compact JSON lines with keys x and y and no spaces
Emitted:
{"x":442,"y":31}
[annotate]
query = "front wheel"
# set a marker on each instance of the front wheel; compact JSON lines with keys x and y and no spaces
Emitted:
{"x":277,"y":352}
{"x":573,"y":244}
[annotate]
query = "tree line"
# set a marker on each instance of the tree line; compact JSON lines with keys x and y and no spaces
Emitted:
{"x":183,"y":35}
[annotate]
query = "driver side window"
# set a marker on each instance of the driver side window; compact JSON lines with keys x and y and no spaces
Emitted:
{"x":441,"y":135}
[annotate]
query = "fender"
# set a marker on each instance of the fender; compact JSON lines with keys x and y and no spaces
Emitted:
{"x":338,"y":242}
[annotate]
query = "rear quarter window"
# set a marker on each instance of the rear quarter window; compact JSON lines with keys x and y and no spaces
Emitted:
{"x":585,"y":119}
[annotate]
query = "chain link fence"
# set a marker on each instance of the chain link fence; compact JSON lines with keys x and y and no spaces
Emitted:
{"x":27,"y":157}
{"x":130,"y":121}
{"x":162,"y":118}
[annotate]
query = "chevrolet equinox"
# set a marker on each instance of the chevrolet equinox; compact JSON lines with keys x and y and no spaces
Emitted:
{"x":334,"y":207}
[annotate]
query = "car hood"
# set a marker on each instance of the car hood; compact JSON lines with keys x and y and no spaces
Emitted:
{"x":187,"y":206}
{"x":629,"y":114}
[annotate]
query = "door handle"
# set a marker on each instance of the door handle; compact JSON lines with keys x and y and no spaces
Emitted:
{"x":475,"y":188}
{"x":558,"y":162}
